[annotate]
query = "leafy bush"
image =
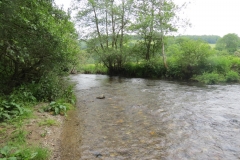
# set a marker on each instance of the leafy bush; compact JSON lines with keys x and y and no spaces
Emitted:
{"x":52,"y":87}
{"x":33,"y":153}
{"x":152,"y":68}
{"x":209,"y":78}
{"x":9,"y":110}
{"x":232,"y":76}
{"x":93,"y":69}
{"x":8,"y":153}
{"x":174,"y":68}
{"x":219,"y":64}
{"x":23,"y":94}
{"x":23,"y":57}
{"x":58,"y":108}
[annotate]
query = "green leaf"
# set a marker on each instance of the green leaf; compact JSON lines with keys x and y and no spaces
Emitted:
{"x":5,"y":150}
{"x":6,"y":115}
{"x":19,"y":109}
{"x":57,"y":110}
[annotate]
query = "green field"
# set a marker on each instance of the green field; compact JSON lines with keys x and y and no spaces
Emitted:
{"x":212,"y":45}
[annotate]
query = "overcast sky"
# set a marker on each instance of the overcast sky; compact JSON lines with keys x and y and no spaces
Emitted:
{"x":208,"y":17}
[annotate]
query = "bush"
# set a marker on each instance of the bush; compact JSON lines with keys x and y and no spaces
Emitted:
{"x":209,"y":78}
{"x":219,"y":64}
{"x":33,"y":153}
{"x":232,"y":76}
{"x":10,"y":110}
{"x":58,"y":108}
{"x":93,"y":69}
{"x":153,"y":68}
{"x":52,"y":87}
{"x":174,"y":68}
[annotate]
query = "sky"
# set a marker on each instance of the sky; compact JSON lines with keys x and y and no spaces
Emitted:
{"x":207,"y":17}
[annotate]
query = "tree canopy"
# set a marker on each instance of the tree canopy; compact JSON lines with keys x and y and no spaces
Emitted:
{"x":36,"y":38}
{"x":229,"y":42}
{"x":106,"y":26}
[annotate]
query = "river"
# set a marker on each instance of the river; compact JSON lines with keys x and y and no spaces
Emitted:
{"x":143,"y":119}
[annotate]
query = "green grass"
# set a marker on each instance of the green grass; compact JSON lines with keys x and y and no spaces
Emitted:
{"x":212,"y":45}
{"x":93,"y":69}
{"x":48,"y":122}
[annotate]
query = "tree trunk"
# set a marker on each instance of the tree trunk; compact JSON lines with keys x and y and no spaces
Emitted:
{"x":163,"y":54}
{"x":98,"y":31}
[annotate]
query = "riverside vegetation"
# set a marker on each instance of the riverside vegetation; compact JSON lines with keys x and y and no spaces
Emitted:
{"x":132,"y":38}
{"x":187,"y":59}
{"x":39,"y":46}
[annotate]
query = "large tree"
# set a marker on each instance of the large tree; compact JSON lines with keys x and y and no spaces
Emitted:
{"x":106,"y":25}
{"x":155,"y":19}
{"x":36,"y":38}
{"x":103,"y":25}
{"x":229,"y":42}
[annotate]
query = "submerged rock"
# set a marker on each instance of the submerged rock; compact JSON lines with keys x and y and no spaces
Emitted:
{"x":101,"y":97}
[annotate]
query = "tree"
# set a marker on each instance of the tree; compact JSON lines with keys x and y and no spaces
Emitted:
{"x":229,"y":42}
{"x":36,"y":38}
{"x":104,"y":26}
{"x":155,"y":19}
{"x":107,"y":24}
{"x":212,"y":39}
{"x":190,"y":56}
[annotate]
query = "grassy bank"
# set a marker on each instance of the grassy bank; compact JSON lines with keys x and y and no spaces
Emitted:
{"x":31,"y":117}
{"x":212,"y":70}
{"x":93,"y":69}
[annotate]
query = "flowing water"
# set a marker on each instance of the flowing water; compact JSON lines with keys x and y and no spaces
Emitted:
{"x":142,"y":119}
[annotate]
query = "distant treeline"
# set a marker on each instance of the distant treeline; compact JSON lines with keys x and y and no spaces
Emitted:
{"x":212,"y":39}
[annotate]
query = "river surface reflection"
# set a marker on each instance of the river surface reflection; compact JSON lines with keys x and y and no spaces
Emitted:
{"x":142,"y":119}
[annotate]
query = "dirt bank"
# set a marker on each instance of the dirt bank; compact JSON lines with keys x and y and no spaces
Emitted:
{"x":70,"y":137}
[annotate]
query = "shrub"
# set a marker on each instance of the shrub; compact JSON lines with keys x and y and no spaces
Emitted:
{"x":10,"y":110}
{"x":219,"y":64}
{"x":174,"y":69}
{"x":209,"y":78}
{"x":58,"y":108}
{"x":232,"y":76}
{"x":52,"y":87}
{"x":33,"y":153}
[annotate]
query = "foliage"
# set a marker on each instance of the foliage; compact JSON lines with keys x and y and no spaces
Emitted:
{"x":48,"y":122}
{"x":153,"y":21}
{"x":19,"y":136}
{"x":15,"y":153}
{"x":10,"y":110}
{"x":37,"y":38}
{"x":23,"y":95}
{"x":106,"y":26}
{"x":229,"y":42}
{"x":93,"y":69}
{"x":232,"y":76}
{"x":189,"y":58}
{"x":153,"y":68}
{"x":219,"y":64}
{"x":8,"y":153}
{"x":211,"y":39}
{"x":58,"y":108}
{"x":103,"y":26}
{"x":48,"y":88}
{"x":209,"y":78}
{"x":174,"y":69}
